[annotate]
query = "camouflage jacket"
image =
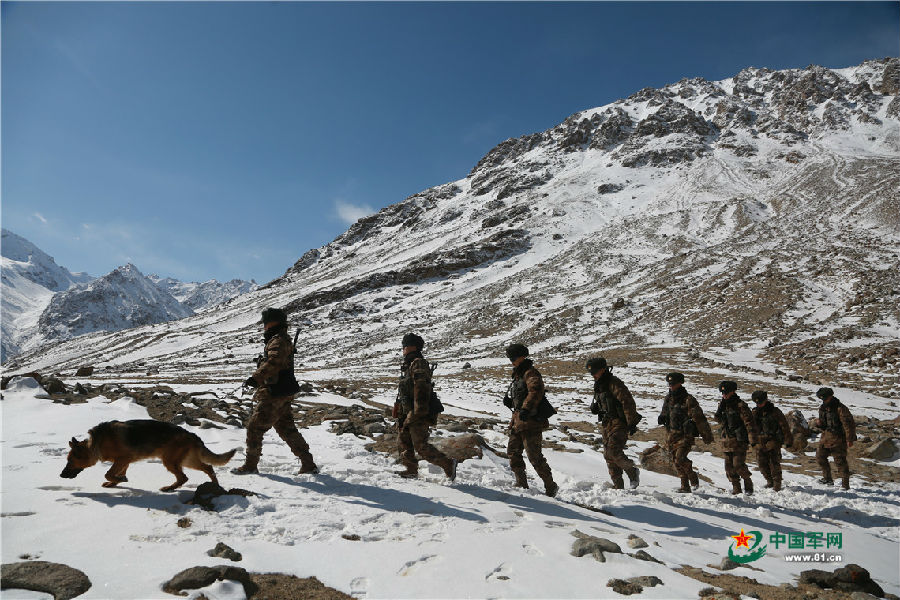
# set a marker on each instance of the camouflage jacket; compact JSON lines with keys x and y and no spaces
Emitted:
{"x":738,"y":426}
{"x":277,"y":359}
{"x":414,"y":389}
{"x":772,"y":425}
{"x":682,"y":416}
{"x":836,"y":423}
{"x":526,"y":391}
{"x":615,"y":404}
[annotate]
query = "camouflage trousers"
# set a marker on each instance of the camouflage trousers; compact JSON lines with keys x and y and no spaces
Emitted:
{"x":528,"y":441}
{"x":679,"y":446}
{"x":768,"y":458}
{"x":614,"y":440}
{"x":736,"y":462}
{"x":839,"y":453}
{"x":274,"y":412}
{"x":413,"y":438}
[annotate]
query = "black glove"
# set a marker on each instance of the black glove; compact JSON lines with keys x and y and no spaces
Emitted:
{"x":595,"y":408}
{"x":632,"y":429}
{"x":507,"y":401}
{"x":661,"y":419}
{"x":251,"y":382}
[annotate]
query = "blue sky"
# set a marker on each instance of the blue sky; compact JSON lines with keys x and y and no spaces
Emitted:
{"x":219,"y":140}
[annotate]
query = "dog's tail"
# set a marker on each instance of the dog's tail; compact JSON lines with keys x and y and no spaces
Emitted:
{"x":211,"y":458}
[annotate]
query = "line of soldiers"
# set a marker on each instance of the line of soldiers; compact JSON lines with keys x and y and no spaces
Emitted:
{"x":417,"y":408}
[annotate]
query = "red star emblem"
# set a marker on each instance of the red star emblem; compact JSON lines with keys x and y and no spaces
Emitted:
{"x":742,"y":539}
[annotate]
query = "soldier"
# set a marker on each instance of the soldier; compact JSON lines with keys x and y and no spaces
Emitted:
{"x":774,"y":432}
{"x":276,"y":386}
{"x":738,"y":432}
{"x":684,"y":420}
{"x":615,"y":409}
{"x":838,"y":435}
{"x":526,"y":392}
{"x":413,"y":407}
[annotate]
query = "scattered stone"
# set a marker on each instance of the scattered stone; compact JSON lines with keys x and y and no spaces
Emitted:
{"x":54,"y":385}
{"x":184,"y":522}
{"x":595,"y":546}
{"x":200,"y":577}
{"x":80,"y":389}
{"x":642,"y":555}
{"x":726,"y":565}
{"x":885,"y":450}
{"x":635,"y":542}
{"x":225,"y":551}
{"x":467,"y":366}
{"x":645,"y":580}
{"x":208,"y":491}
{"x":351,"y":536}
{"x":84,"y":371}
{"x":61,"y":581}
{"x":620,"y":586}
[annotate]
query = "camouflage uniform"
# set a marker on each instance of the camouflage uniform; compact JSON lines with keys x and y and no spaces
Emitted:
{"x":273,"y":407}
{"x":413,"y":399}
{"x":774,"y":432}
{"x":838,"y":428}
{"x":525,"y":428}
{"x":616,"y":410}
{"x":738,"y":433}
{"x":684,"y":420}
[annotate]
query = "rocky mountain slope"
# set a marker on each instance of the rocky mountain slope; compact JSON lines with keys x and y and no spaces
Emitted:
{"x":750,"y":223}
{"x":200,"y":296}
{"x":30,"y":277}
{"x":45,"y":303}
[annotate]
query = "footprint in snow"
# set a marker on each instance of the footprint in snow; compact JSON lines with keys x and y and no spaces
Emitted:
{"x":412,"y":566}
{"x":501,"y":573}
{"x":359,"y":587}
{"x":532,"y":550}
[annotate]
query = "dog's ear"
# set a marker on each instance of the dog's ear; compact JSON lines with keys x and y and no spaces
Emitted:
{"x":73,"y":442}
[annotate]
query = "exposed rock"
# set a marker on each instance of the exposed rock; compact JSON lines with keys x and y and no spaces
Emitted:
{"x":635,"y":542}
{"x":885,"y":450}
{"x":61,"y":581}
{"x":209,"y":491}
{"x":84,"y":371}
{"x":851,"y":578}
{"x":223,"y":550}
{"x":642,"y":555}
{"x":595,"y":546}
{"x":200,"y":577}
{"x":626,"y":588}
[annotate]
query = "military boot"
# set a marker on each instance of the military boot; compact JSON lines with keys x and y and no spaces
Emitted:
{"x":695,"y":480}
{"x":770,"y":483}
{"x":634,"y":478}
{"x":845,"y":482}
{"x":308,"y":467}
{"x":827,"y":480}
{"x":776,"y":485}
{"x":748,"y":485}
{"x":685,"y":486}
{"x":551,"y":488}
{"x":450,"y":470}
{"x":521,"y":480}
{"x":618,"y":483}
{"x":736,"y":487}
{"x":409,"y":473}
{"x":245,"y":469}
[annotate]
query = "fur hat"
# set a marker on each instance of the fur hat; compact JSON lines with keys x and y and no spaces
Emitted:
{"x":514,"y":351}
{"x":595,"y":364}
{"x":674,"y":378}
{"x":824,"y":393}
{"x":411,"y":339}
{"x":274,"y":315}
{"x":759,"y":396}
{"x":727,"y":386}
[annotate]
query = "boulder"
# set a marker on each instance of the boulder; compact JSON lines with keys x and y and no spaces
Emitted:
{"x":61,"y":581}
{"x":200,"y":577}
{"x":595,"y":546}
{"x":85,"y":371}
{"x":224,"y":551}
{"x":626,"y":588}
{"x":54,"y":385}
{"x":635,"y":542}
{"x":885,"y":450}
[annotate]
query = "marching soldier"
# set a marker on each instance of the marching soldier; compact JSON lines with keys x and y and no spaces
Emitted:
{"x":684,"y":420}
{"x":526,"y":393}
{"x":774,"y":432}
{"x":738,"y":432}
{"x":413,"y":407}
{"x":838,"y":435}
{"x":275,"y":388}
{"x":615,"y":409}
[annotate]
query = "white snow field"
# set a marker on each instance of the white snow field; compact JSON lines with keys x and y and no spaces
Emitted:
{"x":427,"y":538}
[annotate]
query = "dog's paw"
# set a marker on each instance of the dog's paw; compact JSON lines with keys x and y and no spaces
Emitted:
{"x":110,"y":483}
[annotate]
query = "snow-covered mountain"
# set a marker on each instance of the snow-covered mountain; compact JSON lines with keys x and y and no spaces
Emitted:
{"x":119,"y":300}
{"x":30,"y":277}
{"x":200,"y":296}
{"x":751,"y":220}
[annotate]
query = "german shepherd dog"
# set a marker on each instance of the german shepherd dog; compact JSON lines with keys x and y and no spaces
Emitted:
{"x":124,"y":442}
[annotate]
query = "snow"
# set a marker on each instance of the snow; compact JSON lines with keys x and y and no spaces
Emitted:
{"x":478,"y":537}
